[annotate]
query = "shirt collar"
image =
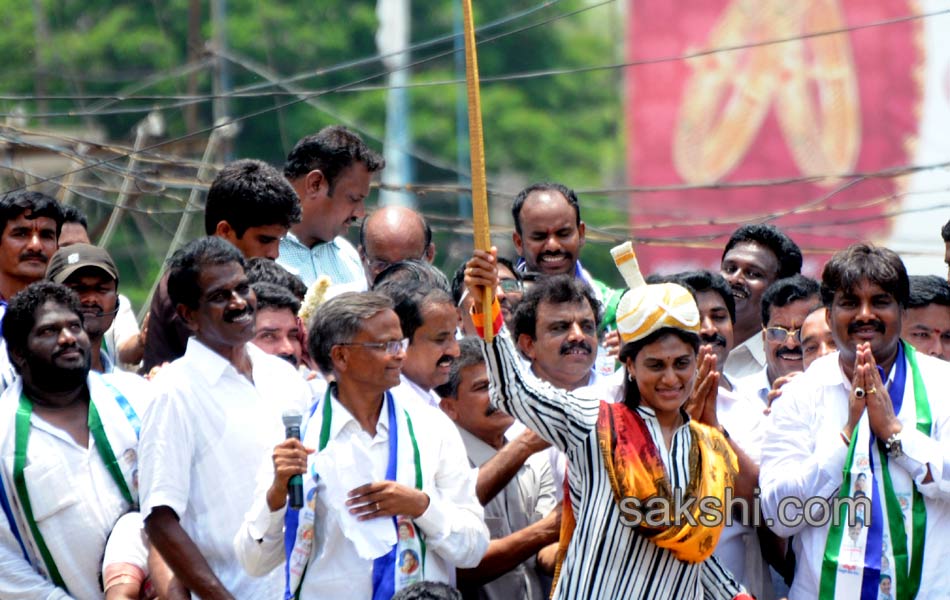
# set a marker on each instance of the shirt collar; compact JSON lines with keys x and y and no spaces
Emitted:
{"x":478,"y":451}
{"x":293,"y":239}
{"x":342,"y":417}
{"x":211,"y":365}
{"x":648,"y":413}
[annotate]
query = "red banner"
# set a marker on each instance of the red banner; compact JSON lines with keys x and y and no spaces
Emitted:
{"x":798,"y":114}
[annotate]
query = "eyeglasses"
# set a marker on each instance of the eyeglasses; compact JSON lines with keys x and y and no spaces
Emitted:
{"x":780,"y":334}
{"x":392,"y":348}
{"x":511,"y":286}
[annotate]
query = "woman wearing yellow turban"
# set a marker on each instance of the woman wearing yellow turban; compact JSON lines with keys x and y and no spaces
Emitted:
{"x":638,"y":470}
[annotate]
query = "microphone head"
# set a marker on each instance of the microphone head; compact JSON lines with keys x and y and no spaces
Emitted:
{"x":292,"y":418}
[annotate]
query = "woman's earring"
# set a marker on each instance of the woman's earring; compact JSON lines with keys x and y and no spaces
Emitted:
{"x":630,"y":377}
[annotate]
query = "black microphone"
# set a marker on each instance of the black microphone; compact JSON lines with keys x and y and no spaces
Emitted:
{"x":292,"y":420}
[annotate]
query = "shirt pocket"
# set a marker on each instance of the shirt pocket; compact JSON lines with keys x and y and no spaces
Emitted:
{"x":50,"y":487}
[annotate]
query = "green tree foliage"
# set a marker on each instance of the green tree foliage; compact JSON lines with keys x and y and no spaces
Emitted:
{"x":565,"y":127}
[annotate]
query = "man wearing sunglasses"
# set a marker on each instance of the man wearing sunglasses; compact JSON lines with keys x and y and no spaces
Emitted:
{"x":785,"y":305}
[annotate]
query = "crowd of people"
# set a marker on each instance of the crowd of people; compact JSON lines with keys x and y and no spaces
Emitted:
{"x":301,"y":418}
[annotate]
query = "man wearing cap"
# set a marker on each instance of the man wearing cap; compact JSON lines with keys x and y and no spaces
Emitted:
{"x":90,"y":272}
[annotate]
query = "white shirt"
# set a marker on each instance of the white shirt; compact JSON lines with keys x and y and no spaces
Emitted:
{"x":204,"y":435}
{"x":738,"y":545}
{"x":123,"y":327}
{"x":527,"y":498}
{"x":803,"y":456}
{"x":755,"y":385}
{"x":746,"y":358}
{"x":452,"y":524}
{"x":409,"y":392}
{"x":74,"y":498}
{"x":337,"y":259}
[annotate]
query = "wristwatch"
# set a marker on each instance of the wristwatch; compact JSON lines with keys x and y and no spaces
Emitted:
{"x":893,"y":446}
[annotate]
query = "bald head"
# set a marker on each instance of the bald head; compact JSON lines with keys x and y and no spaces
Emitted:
{"x":392,"y":234}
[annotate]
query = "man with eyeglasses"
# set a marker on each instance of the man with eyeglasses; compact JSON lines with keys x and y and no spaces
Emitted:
{"x":385,"y":482}
{"x":392,"y":234}
{"x":509,"y":293}
{"x":785,"y":305}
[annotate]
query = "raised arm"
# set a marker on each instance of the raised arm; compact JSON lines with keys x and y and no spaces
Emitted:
{"x":556,"y":415}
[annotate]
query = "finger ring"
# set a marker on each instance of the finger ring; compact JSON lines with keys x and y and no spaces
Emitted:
{"x":872,"y":391}
{"x":376,"y":507}
{"x":859,"y":392}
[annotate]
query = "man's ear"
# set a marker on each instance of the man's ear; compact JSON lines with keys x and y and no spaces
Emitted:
{"x":518,"y":242}
{"x":339,"y":357}
{"x":187,"y":317}
{"x":582,"y":234}
{"x":448,"y":407}
{"x":17,"y":359}
{"x":224,"y":230}
{"x":314,"y":181}
{"x":526,"y":345}
{"x":429,"y":255}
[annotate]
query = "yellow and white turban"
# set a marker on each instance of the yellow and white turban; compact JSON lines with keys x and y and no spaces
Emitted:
{"x":644,"y":308}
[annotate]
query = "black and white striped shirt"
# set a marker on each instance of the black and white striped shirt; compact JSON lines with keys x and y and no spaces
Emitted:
{"x":605,"y":559}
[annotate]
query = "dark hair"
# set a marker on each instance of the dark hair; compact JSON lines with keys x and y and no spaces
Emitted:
{"x":339,"y":320}
{"x":21,"y":311}
{"x":186,"y":264}
{"x":72,"y":214}
{"x":945,"y":232}
{"x":787,"y":290}
{"x":271,"y":295}
{"x":14,"y":204}
{"x":418,"y":271}
{"x":428,"y":590}
{"x":787,"y":252}
{"x":926,"y":290}
{"x":250,"y":193}
{"x":707,"y":281}
{"x":565,"y":191}
{"x":410,"y":297}
{"x":458,"y":279}
{"x":557,"y":289}
{"x":260,"y":269}
{"x":859,"y":262}
{"x":426,"y":230}
{"x":630,"y":350}
{"x":330,"y":151}
{"x":470,"y":353}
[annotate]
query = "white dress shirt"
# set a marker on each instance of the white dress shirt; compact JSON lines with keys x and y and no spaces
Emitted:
{"x":204,"y":435}
{"x":803,"y":456}
{"x":454,"y":532}
{"x":746,"y":358}
{"x":527,"y":498}
{"x":337,"y":259}
{"x":755,"y":385}
{"x":74,"y":498}
{"x":738,"y":549}
{"x":409,"y":392}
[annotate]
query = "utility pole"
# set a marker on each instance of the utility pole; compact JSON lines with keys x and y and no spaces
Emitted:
{"x":41,"y":33}
{"x":193,"y":51}
{"x":222,"y":72}
{"x":393,"y":37}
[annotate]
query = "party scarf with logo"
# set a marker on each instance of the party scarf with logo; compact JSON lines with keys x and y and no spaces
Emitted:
{"x":857,"y":556}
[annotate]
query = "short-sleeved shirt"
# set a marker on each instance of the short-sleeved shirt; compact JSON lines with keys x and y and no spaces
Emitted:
{"x":337,"y":259}
{"x":204,"y":436}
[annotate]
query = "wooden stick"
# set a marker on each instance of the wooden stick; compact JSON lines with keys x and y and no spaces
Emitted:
{"x":477,"y":152}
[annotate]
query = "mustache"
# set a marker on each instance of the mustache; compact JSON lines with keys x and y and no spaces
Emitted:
{"x":68,"y":348}
{"x":231,"y":315}
{"x":581,"y":345}
{"x":716,"y":339}
{"x":878,"y":326}
{"x":738,"y":287}
{"x":34,"y":255}
{"x":796,"y":353}
{"x":445,"y":360}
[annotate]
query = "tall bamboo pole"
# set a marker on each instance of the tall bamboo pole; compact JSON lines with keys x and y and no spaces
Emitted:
{"x":477,"y":153}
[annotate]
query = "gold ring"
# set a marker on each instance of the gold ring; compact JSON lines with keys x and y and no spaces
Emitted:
{"x":872,"y":391}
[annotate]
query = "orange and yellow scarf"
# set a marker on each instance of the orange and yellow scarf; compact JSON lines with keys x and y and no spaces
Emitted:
{"x":636,"y":470}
